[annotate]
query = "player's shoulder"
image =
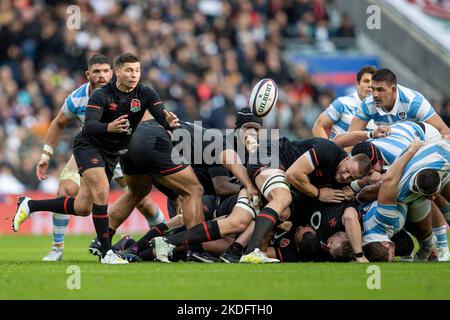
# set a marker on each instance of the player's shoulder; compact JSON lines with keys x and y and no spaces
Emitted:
{"x":145,"y":88}
{"x":103,"y":91}
{"x":80,"y":92}
{"x":408,"y":95}
{"x":348,"y":100}
{"x":369,"y":102}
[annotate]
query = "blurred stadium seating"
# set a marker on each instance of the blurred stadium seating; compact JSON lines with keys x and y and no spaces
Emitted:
{"x":202,"y":56}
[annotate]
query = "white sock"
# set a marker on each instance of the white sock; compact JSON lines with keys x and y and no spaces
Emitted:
{"x":157,"y":218}
{"x":441,"y":236}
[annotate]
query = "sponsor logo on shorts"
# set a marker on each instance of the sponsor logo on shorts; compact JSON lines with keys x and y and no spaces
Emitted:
{"x":135,"y":105}
{"x":95,"y":161}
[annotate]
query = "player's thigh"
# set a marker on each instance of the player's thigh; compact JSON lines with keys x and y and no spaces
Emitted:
{"x":418,"y":210}
{"x":139,"y":185}
{"x":274,"y":186}
{"x":183,"y":182}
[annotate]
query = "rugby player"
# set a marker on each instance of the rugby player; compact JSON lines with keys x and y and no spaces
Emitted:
{"x":391,"y":102}
{"x":112,"y":114}
{"x":98,"y":74}
{"x":337,"y":117}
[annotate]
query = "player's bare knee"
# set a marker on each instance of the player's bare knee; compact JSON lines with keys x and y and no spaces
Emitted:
{"x":195,"y":190}
{"x":238,"y":225}
{"x":281,"y":196}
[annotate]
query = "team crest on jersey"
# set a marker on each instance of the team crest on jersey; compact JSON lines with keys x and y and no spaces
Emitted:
{"x":284,"y":243}
{"x":135,"y":105}
{"x":113,"y":106}
{"x":402,"y":115}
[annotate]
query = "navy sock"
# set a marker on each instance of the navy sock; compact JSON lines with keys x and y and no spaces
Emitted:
{"x":265,"y":221}
{"x":100,"y":218}
{"x":63,"y":205}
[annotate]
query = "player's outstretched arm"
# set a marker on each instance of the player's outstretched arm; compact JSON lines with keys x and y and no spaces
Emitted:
{"x":231,"y":161}
{"x":437,"y":122}
{"x":51,"y":140}
{"x":297,"y":175}
{"x":357,"y":124}
{"x":322,"y":124}
{"x":388,"y":189}
{"x":351,"y":138}
{"x":353,"y":230}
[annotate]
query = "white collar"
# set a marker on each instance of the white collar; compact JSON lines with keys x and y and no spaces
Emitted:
{"x":356,"y":97}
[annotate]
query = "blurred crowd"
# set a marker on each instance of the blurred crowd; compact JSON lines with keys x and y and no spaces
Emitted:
{"x":202,"y":57}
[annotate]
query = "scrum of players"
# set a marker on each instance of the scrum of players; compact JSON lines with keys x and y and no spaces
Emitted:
{"x":375,"y":175}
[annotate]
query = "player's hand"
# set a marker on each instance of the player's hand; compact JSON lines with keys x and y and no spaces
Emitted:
{"x":362,"y":260}
{"x":416,"y":145}
{"x":331,"y":195}
{"x":120,"y":125}
{"x":348,"y":193}
{"x":41,"y":169}
{"x":253,"y":196}
{"x":382,"y":131}
{"x":172,"y":119}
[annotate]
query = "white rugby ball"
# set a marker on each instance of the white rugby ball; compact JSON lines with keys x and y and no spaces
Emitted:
{"x":264,"y":97}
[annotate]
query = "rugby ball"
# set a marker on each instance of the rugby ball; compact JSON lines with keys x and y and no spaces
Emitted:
{"x":264,"y":97}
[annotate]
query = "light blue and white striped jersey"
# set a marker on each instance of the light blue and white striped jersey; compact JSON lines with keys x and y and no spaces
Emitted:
{"x":409,"y":105}
{"x":402,"y":135}
{"x":431,"y":156}
{"x":341,"y":111}
{"x":76,"y":102}
{"x":381,"y":222}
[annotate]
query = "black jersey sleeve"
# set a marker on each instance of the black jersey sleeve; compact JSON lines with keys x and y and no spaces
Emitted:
{"x":94,"y":111}
{"x":156,"y":107}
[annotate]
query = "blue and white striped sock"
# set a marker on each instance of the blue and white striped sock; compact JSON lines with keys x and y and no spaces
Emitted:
{"x":446,"y":212}
{"x":441,"y":234}
{"x":60,"y":222}
{"x":157,"y":218}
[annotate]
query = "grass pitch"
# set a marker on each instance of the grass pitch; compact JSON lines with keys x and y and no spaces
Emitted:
{"x":24,"y":276}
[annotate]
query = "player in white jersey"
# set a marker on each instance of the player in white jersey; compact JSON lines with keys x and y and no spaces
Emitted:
{"x":390,"y":103}
{"x":98,"y":74}
{"x":386,"y":216}
{"x":337,"y":117}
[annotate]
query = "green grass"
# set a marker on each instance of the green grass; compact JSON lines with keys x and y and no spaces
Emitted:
{"x":24,"y":276}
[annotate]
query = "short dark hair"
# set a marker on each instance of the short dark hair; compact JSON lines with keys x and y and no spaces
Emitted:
{"x":366,"y":69}
{"x":344,"y":252}
{"x":385,"y":75}
{"x":376,"y":252}
{"x":126,"y":57}
{"x":364,"y":163}
{"x":428,"y":181}
{"x":98,"y":59}
{"x":245,"y":115}
{"x":310,"y":248}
